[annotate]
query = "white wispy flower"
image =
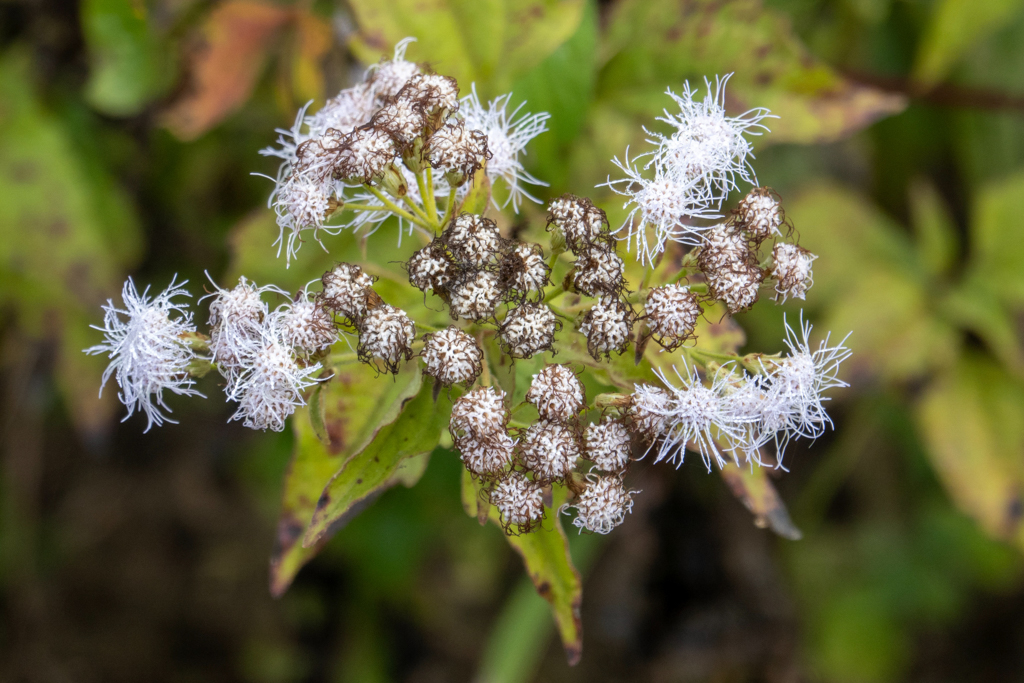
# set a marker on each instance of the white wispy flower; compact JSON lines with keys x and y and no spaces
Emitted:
{"x":236,"y":322}
{"x":662,"y":208}
{"x":696,"y":416}
{"x":270,"y":385}
{"x":507,"y":137}
{"x":707,"y":145}
{"x":802,"y":377}
{"x":785,"y":401}
{"x":147,"y":353}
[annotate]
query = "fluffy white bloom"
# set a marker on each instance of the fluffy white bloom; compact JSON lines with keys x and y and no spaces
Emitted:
{"x":300,"y":203}
{"x":662,"y":208}
{"x":236,"y":322}
{"x":603,"y":504}
{"x":707,"y":145}
{"x":695,"y":416}
{"x":349,"y":109}
{"x":270,"y":386}
{"x":507,"y":137}
{"x":390,"y":76}
{"x":146,"y":351}
{"x":304,"y":324}
{"x":804,"y":375}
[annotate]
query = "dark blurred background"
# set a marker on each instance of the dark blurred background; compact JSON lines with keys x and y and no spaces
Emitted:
{"x":129,"y":130}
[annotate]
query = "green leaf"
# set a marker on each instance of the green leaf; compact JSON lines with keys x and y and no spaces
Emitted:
{"x":416,"y":431}
{"x":355,"y":405}
{"x":997,"y":249}
{"x":545,"y":553}
{"x":654,"y":44}
{"x":67,"y":235}
{"x":489,"y":42}
{"x":972,"y":421}
{"x":128,"y":65}
{"x":562,"y":85}
{"x":874,"y":283}
{"x":934,"y":229}
{"x":953,"y":27}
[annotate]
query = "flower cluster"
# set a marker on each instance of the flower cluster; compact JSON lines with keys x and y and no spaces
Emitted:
{"x":403,"y":144}
{"x":739,"y":412}
{"x":694,"y":170}
{"x":379,"y":135}
{"x":516,"y":471}
{"x":481,"y":276}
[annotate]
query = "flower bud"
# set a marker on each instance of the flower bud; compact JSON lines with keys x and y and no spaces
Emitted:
{"x":791,"y":268}
{"x":599,"y":270}
{"x":430,"y":269}
{"x":473,"y":240}
{"x":607,"y":445}
{"x":519,"y":501}
{"x":476,"y":296}
{"x":401,"y":121}
{"x":736,"y":285}
{"x":387,"y":333}
{"x":760,"y":214}
{"x":647,"y":415}
{"x":607,"y":326}
{"x":457,"y":152}
{"x":549,"y":450}
{"x":523,"y":268}
{"x":452,"y":357}
{"x":672,"y":313}
{"x":305,"y":325}
{"x":603,"y":505}
{"x":486,"y":457}
{"x":527,"y":330}
{"x":556,"y":392}
{"x":578,"y":222}
{"x":346,"y":290}
{"x":481,"y":414}
{"x":364,"y":156}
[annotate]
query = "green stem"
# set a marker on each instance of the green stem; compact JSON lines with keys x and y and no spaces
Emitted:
{"x":429,"y":200}
{"x":394,"y":208}
{"x":364,"y":207}
{"x":417,"y":210}
{"x":451,"y":206}
{"x":550,"y":296}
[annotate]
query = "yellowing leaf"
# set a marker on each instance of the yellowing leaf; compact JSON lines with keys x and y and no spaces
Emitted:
{"x":972,"y":420}
{"x":997,"y":247}
{"x":654,"y":44}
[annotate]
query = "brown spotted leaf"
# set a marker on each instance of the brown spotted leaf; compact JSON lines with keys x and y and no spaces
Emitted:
{"x":224,"y":65}
{"x":416,"y":432}
{"x":654,"y":44}
{"x":354,"y":406}
{"x":545,"y":554}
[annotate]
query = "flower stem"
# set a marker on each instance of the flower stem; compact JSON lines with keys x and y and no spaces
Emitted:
{"x":429,"y":200}
{"x":394,"y":208}
{"x":364,"y":207}
{"x":448,"y":210}
{"x":417,"y":209}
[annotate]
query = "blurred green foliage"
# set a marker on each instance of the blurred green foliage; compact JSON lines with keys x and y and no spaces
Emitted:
{"x":899,"y":153}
